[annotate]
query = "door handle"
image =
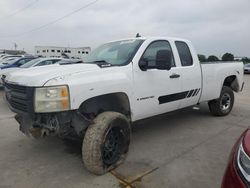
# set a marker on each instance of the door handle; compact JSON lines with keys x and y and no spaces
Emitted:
{"x":175,"y":76}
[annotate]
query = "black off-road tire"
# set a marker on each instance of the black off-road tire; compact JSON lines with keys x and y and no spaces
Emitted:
{"x":97,"y":146}
{"x":223,"y":105}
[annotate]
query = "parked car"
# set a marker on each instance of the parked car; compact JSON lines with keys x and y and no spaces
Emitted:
{"x":8,"y":60}
{"x":237,"y":174}
{"x":16,"y":62}
{"x":11,"y":56}
{"x":119,"y":83}
{"x":3,"y":55}
{"x":41,"y":62}
{"x":69,"y":61}
{"x":35,"y":62}
{"x":247,"y":68}
{"x":6,"y":56}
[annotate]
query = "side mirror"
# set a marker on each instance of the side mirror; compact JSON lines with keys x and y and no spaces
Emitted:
{"x":143,"y":64}
{"x":163,"y":60}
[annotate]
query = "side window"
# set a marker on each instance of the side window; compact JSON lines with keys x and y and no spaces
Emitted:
{"x":184,"y":53}
{"x":55,"y":60}
{"x":21,"y":62}
{"x":152,"y":50}
{"x":47,"y":62}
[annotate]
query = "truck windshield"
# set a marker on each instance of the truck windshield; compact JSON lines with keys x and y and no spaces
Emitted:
{"x":115,"y":53}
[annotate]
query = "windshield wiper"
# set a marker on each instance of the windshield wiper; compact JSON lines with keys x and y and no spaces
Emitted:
{"x":102,"y":63}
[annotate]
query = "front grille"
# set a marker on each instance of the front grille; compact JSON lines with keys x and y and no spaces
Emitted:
{"x":19,"y":97}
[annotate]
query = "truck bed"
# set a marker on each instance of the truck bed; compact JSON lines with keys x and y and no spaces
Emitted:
{"x":213,"y":77}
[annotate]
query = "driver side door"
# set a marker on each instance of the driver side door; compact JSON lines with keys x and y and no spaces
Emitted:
{"x":156,"y":91}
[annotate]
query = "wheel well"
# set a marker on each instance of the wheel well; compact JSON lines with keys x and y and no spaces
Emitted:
{"x":117,"y":102}
{"x":231,"y":82}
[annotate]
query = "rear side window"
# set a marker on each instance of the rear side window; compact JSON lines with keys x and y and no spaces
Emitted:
{"x":184,"y":53}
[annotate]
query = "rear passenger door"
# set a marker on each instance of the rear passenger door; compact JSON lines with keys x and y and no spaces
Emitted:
{"x":190,"y":72}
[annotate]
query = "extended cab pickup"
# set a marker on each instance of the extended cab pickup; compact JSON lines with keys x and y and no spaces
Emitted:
{"x":119,"y":83}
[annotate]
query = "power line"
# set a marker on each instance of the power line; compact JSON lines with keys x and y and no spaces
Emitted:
{"x":54,"y":21}
{"x":20,"y":10}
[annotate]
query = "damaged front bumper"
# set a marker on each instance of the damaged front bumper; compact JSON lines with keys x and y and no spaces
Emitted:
{"x":21,"y":101}
{"x":70,"y":124}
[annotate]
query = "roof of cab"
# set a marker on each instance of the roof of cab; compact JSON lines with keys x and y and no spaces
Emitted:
{"x":153,"y":38}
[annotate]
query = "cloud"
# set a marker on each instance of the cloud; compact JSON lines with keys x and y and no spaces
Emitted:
{"x":214,"y":26}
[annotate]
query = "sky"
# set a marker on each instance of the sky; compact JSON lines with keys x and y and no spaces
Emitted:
{"x":214,"y":26}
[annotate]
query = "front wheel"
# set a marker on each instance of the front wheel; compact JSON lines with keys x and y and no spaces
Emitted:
{"x":223,"y":105}
{"x":106,"y":142}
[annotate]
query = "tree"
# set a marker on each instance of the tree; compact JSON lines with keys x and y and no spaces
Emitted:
{"x":228,"y":57}
{"x":213,"y":58}
{"x":202,"y":58}
{"x":245,"y":60}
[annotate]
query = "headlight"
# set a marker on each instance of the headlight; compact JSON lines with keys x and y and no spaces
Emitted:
{"x":243,"y":162}
{"x":52,"y":99}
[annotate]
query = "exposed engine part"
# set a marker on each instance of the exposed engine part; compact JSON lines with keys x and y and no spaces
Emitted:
{"x":52,"y":126}
{"x":62,"y":124}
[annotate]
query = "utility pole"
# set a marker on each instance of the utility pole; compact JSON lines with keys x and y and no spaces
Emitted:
{"x":15,"y":46}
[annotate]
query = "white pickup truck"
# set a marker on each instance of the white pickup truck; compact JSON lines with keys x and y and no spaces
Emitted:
{"x":120,"y":82}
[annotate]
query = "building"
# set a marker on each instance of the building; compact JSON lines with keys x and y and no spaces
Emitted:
{"x":12,"y":52}
{"x":54,"y":51}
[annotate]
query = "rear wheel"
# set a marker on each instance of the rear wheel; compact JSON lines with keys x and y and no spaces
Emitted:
{"x":223,"y":105}
{"x":106,"y":142}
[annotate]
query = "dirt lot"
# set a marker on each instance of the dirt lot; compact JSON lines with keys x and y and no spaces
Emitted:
{"x":186,"y":149}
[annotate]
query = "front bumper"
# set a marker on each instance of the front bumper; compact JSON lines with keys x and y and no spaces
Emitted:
{"x":68,"y":124}
{"x":233,"y":177}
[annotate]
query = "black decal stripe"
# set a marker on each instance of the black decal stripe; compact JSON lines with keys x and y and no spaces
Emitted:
{"x":178,"y":96}
{"x":190,"y":93}
{"x":194,"y":92}
{"x":197,"y":92}
{"x":172,"y":97}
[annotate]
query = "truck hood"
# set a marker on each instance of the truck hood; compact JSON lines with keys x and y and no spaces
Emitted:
{"x":38,"y":76}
